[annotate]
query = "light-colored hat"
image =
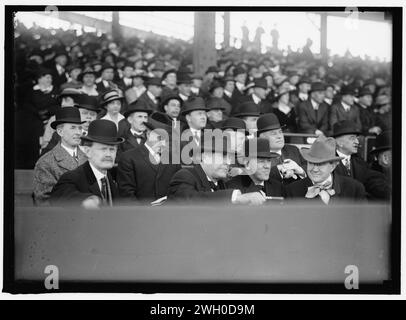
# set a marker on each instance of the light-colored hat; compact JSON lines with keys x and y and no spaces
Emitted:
{"x":322,"y":150}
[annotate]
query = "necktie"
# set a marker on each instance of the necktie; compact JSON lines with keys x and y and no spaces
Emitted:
{"x":213,"y":186}
{"x":106,"y":192}
{"x":324,"y":191}
{"x":196,"y":137}
{"x":141,"y":138}
{"x":347,"y":165}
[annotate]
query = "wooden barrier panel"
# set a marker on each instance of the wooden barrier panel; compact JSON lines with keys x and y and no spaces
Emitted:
{"x":272,"y":244}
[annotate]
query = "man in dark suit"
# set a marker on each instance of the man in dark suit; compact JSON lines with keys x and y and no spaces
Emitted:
{"x":126,"y":82}
{"x":290,"y":165}
{"x":313,"y":113}
{"x":375,"y":183}
{"x":144,"y":173}
{"x":345,"y":110}
{"x":91,"y":184}
{"x":169,"y":83}
{"x":322,"y":183}
{"x":107,"y":76}
{"x":152,"y":95}
{"x":240,"y":77}
{"x":366,"y":114}
{"x":382,"y":152}
{"x":257,"y":169}
{"x":136,"y":115}
{"x":58,"y":68}
{"x":259,"y":96}
{"x":203,"y":182}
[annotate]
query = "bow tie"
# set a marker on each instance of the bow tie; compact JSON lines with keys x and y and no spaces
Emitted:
{"x":142,"y":136}
{"x":324,"y":191}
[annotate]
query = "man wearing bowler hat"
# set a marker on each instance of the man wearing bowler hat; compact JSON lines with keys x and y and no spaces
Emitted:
{"x":184,"y":83}
{"x":382,"y":152}
{"x":257,"y":163}
{"x":106,"y":83}
{"x":65,"y":156}
{"x":91,"y":184}
{"x":204,"y":181}
{"x":345,"y":109}
{"x":346,"y":135}
{"x":151,"y":97}
{"x":144,"y":173}
{"x":126,"y":82}
{"x":136,"y":115}
{"x":289,"y":165}
{"x":249,"y":112}
{"x":313,"y":113}
{"x":216,"y":108}
{"x":260,"y":87}
{"x":322,"y":182}
{"x":240,"y":77}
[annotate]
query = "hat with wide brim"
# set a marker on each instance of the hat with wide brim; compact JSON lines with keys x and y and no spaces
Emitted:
{"x":102,"y":131}
{"x":344,"y":127}
{"x":109,"y":96}
{"x":88,"y":102}
{"x":268,"y":122}
{"x":66,"y":115}
{"x":169,"y":97}
{"x":262,"y":149}
{"x":248,"y":109}
{"x":138,"y":106}
{"x":235,"y":124}
{"x":196,"y":103}
{"x":260,"y":83}
{"x":322,"y":150}
{"x":215,"y":103}
{"x":382,"y":142}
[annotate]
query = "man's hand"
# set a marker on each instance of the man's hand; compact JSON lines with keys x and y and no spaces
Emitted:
{"x":251,"y":198}
{"x":375,"y":130}
{"x":290,"y":169}
{"x":91,"y":203}
{"x":319,"y":133}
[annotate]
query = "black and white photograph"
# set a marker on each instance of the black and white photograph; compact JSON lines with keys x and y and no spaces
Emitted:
{"x":210,"y":150}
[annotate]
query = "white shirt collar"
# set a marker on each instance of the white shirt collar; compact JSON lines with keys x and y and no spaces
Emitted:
{"x":70,"y":150}
{"x":60,"y":68}
{"x":46,"y":90}
{"x":136,"y":132}
{"x":99,"y":175}
{"x":106,"y":83}
{"x":344,"y":155}
{"x":183,"y":97}
{"x":314,"y":104}
{"x":329,"y":101}
{"x":194,"y":90}
{"x":228,"y":93}
{"x":239,"y":86}
{"x":194,"y":131}
{"x":303,"y":96}
{"x":283,"y":108}
{"x":256,"y":99}
{"x":345,"y":106}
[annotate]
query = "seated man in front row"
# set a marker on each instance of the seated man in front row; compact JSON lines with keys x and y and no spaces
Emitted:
{"x":91,"y":184}
{"x":257,"y":170}
{"x":322,"y":182}
{"x":204,"y":181}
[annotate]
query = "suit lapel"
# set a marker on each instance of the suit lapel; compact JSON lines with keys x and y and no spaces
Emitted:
{"x":202,"y":177}
{"x":145,"y":155}
{"x":91,"y":180}
{"x":64,"y":159}
{"x":132,"y":140}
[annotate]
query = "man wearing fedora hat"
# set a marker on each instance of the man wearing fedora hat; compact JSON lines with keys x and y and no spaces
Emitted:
{"x":144,"y":173}
{"x":249,"y":112}
{"x":290,"y":165}
{"x":184,"y":83}
{"x":195,"y":87}
{"x":135,"y":135}
{"x":106,"y":80}
{"x":345,"y":109}
{"x":57,"y":66}
{"x":322,"y":182}
{"x":383,"y":110}
{"x":171,"y":108}
{"x":137,"y":89}
{"x":240,"y":77}
{"x":112,"y":103}
{"x":256,"y":177}
{"x":258,"y":96}
{"x":88,"y":78}
{"x":126,"y":82}
{"x":205,"y":181}
{"x":313,"y":113}
{"x":153,"y":93}
{"x":216,"y":108}
{"x":91,"y":185}
{"x":367,"y":116}
{"x":229,"y":87}
{"x":65,"y":156}
{"x":346,"y":134}
{"x":303,"y":87}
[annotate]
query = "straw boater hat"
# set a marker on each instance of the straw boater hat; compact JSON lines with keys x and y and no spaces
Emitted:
{"x":109,"y":96}
{"x":102,"y":131}
{"x":322,"y":150}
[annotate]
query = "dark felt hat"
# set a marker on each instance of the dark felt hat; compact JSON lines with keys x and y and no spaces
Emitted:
{"x":66,"y":115}
{"x":169,"y":97}
{"x":347,"y":90}
{"x":137,"y":106}
{"x":162,"y":117}
{"x":87,"y":70}
{"x":168,"y":72}
{"x":383,"y":142}
{"x":41,"y":71}
{"x":344,"y":127}
{"x":303,"y":80}
{"x":234,"y":124}
{"x":196,"y":103}
{"x":103,"y":131}
{"x":106,"y":66}
{"x":212,"y":69}
{"x":110,"y":95}
{"x":216,"y":83}
{"x":262,"y":149}
{"x":70,"y":92}
{"x":268,"y":122}
{"x":215,"y":103}
{"x":88,"y":102}
{"x":260,"y":83}
{"x":317,"y":86}
{"x":153,"y":124}
{"x":248,"y":109}
{"x":238,"y":70}
{"x":154,"y":81}
{"x":183,"y":78}
{"x":364,"y":92}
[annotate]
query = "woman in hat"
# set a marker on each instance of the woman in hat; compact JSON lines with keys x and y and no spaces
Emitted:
{"x":112,"y":102}
{"x":285,"y":111}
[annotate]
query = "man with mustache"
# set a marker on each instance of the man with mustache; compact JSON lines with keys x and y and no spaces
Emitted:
{"x":346,"y":134}
{"x":91,"y":184}
{"x":65,"y":156}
